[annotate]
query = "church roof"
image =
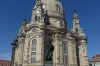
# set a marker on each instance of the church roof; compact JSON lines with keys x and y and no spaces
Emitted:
{"x":96,"y":58}
{"x":5,"y":62}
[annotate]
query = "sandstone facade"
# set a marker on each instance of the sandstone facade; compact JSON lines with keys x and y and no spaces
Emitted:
{"x":47,"y":38}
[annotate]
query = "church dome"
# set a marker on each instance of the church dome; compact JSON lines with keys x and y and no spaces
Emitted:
{"x":54,"y":7}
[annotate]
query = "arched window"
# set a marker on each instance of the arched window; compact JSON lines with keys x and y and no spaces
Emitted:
{"x":65,"y":49}
{"x":61,"y":24}
{"x":34,"y":43}
{"x":76,"y":30}
{"x":65,"y":54}
{"x":35,"y":18}
{"x":57,"y":8}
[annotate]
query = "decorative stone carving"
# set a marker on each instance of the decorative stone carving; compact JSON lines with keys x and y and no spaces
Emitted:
{"x":55,"y":14}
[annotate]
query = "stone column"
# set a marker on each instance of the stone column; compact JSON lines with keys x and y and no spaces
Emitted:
{"x":24,"y":53}
{"x":61,"y":50}
{"x":40,"y":49}
{"x":16,"y":56}
{"x":70,"y":53}
{"x":83,"y":53}
{"x":20,"y":50}
{"x":80,"y":55}
{"x":56,"y":53}
{"x":74,"y":53}
{"x":13,"y":56}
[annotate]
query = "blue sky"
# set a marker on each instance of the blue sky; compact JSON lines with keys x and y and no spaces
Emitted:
{"x":12,"y":13}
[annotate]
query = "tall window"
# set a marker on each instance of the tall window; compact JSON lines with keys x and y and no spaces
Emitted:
{"x":65,"y":49}
{"x":35,"y":18}
{"x":76,"y":31}
{"x":61,"y":24}
{"x":65,"y":54}
{"x":77,"y":54}
{"x":33,"y":57}
{"x":34,"y":43}
{"x":57,"y":8}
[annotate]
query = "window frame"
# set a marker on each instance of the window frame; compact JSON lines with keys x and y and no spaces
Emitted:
{"x":34,"y":44}
{"x":57,"y":8}
{"x":33,"y":57}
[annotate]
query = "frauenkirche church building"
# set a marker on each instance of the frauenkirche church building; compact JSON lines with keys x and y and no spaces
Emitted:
{"x":46,"y":40}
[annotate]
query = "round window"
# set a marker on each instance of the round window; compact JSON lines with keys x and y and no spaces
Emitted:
{"x":34,"y":30}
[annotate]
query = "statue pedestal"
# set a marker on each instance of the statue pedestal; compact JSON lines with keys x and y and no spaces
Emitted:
{"x":48,"y":63}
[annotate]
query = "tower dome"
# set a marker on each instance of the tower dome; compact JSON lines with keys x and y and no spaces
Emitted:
{"x":53,"y":7}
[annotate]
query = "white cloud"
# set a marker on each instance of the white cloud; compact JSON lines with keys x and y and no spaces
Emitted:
{"x":5,"y":56}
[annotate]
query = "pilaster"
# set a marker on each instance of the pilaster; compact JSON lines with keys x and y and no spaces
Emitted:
{"x":58,"y":50}
{"x":72,"y":52}
{"x":70,"y":57}
{"x":61,"y":50}
{"x":40,"y":50}
{"x":83,"y":53}
{"x":25,"y":53}
{"x":13,"y":54}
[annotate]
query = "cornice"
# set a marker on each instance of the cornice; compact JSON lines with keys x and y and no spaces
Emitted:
{"x":81,"y":37}
{"x":70,"y":31}
{"x":30,"y":26}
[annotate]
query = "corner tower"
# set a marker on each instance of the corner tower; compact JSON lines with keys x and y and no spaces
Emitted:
{"x":81,"y":42}
{"x":76,"y":25}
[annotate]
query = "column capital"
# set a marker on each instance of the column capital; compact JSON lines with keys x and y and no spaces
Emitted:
{"x":82,"y":41}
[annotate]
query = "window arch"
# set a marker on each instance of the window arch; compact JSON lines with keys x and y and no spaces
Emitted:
{"x":34,"y":43}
